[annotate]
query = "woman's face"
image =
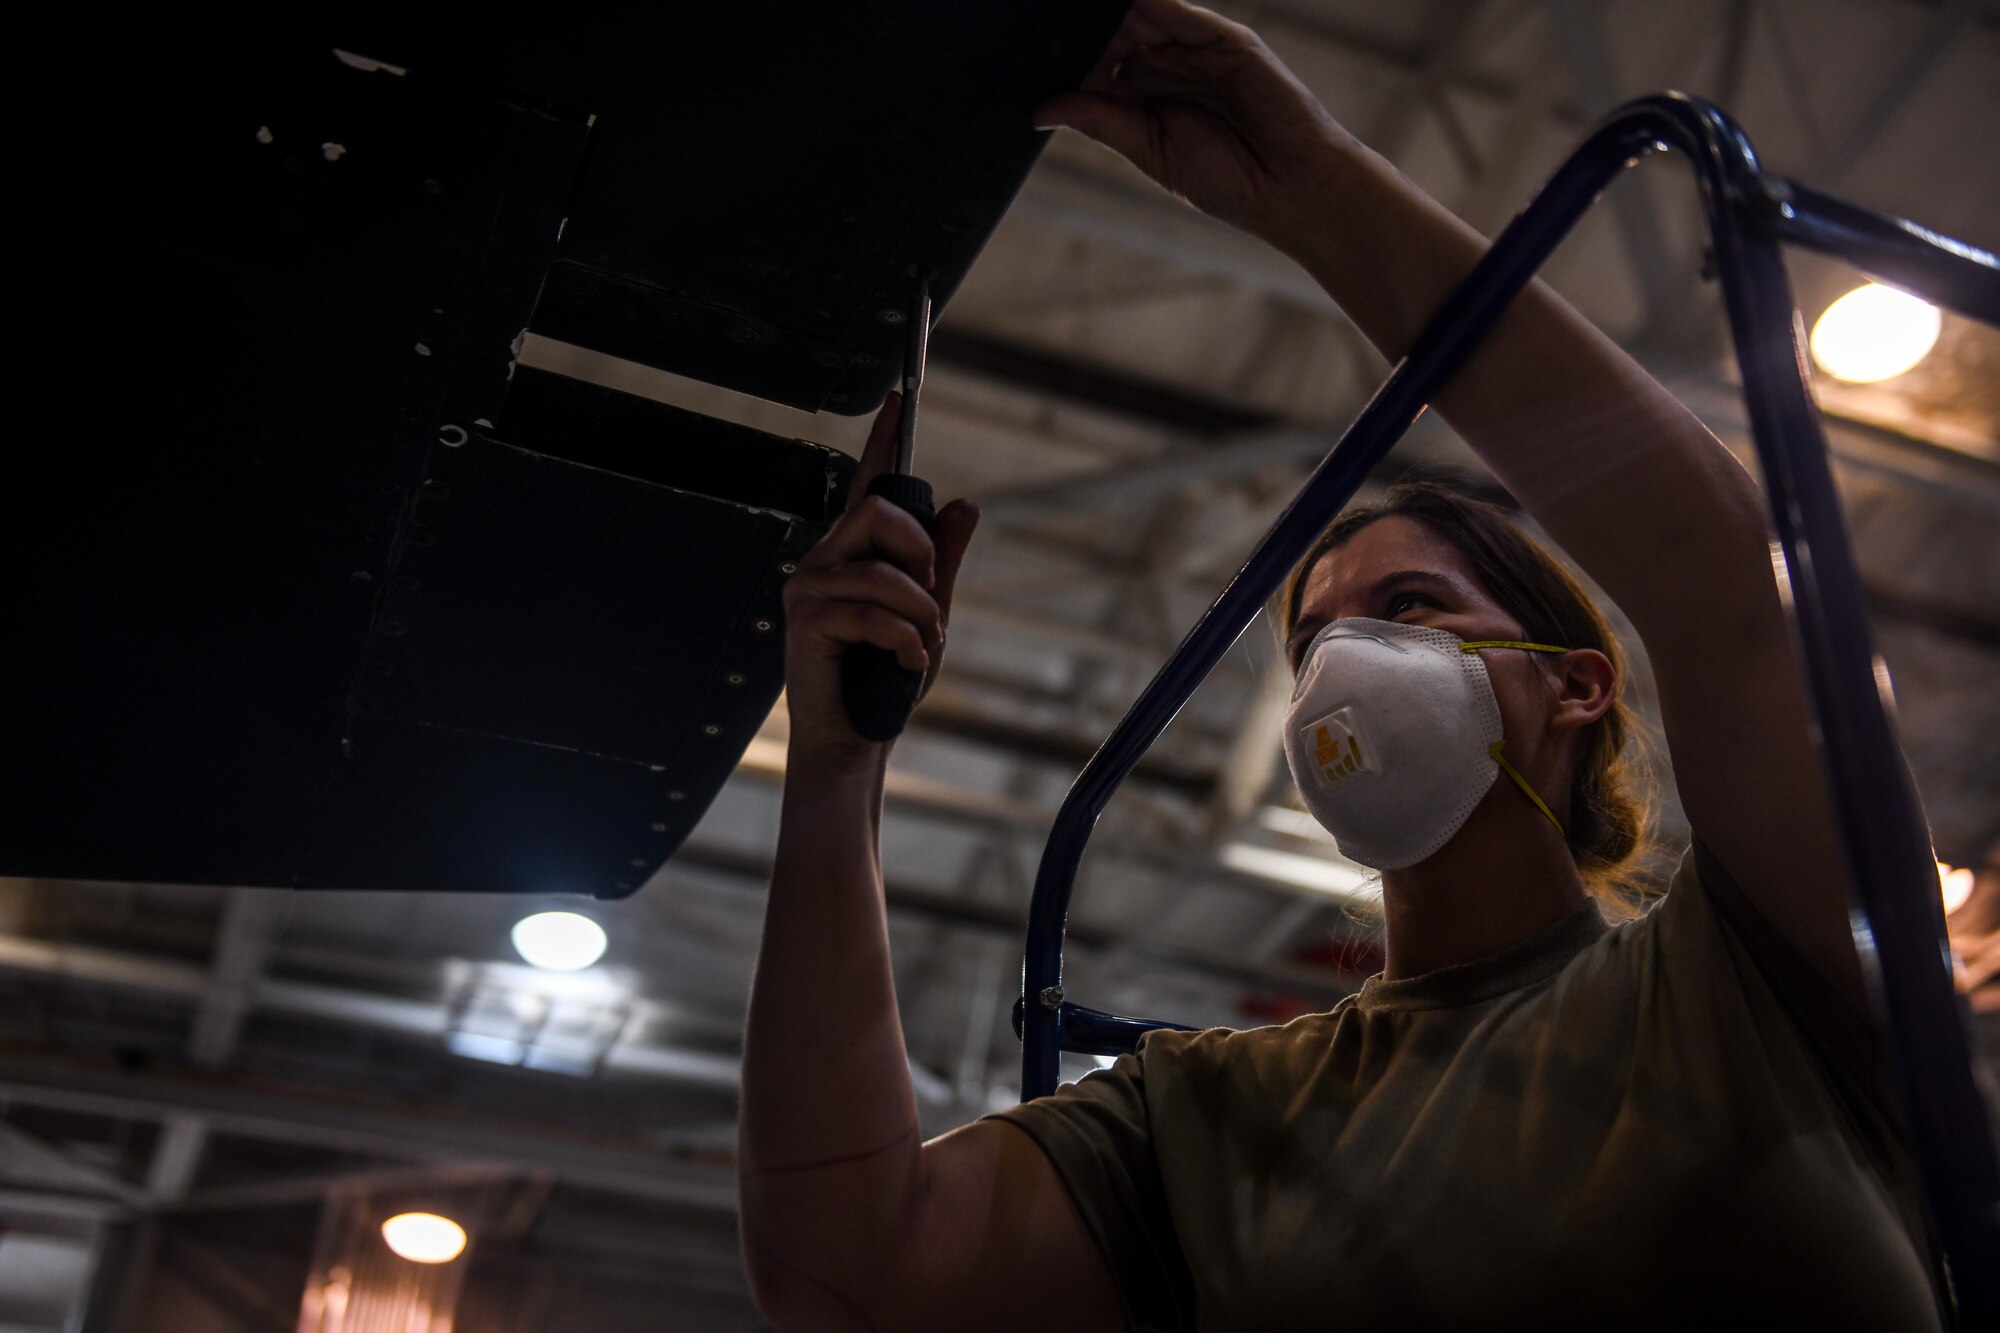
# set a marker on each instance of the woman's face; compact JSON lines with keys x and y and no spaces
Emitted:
{"x":1398,"y":569}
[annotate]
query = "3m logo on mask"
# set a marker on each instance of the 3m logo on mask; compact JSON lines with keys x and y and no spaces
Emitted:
{"x":1339,"y":752}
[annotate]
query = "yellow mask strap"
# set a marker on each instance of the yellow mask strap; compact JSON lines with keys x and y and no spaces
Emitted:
{"x":1497,"y":747}
{"x":1477,"y":644}
{"x":1500,"y":758}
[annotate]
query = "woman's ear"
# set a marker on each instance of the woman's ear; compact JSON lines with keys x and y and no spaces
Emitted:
{"x":1585,"y":685}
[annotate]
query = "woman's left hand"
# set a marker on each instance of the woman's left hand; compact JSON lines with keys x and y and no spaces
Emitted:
{"x":1200,"y":104}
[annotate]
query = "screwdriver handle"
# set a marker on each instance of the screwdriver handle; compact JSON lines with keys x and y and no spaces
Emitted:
{"x":878,"y":690}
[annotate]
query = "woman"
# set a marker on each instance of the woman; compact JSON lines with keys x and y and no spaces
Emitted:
{"x":1531,"y":1118}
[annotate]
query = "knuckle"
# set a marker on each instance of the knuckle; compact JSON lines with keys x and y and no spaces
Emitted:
{"x":802,"y":587}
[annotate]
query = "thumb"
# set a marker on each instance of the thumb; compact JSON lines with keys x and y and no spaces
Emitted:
{"x":1115,"y":122}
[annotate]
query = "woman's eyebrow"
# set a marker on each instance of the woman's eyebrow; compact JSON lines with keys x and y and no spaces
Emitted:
{"x":1385,"y":586}
{"x":1307,"y":626}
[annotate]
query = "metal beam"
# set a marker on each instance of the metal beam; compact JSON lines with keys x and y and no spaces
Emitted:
{"x":1792,"y":75}
{"x":18,"y":1147}
{"x":1735,"y":53}
{"x":989,"y":616}
{"x":946,"y":712}
{"x":751,"y":872}
{"x":1246,"y":774}
{"x":176,"y":1158}
{"x":1081,"y":202}
{"x":1428,"y":443}
{"x":909,"y":793}
{"x":1230,"y":460}
{"x":394,"y":1013}
{"x":243,"y":941}
{"x":1064,"y":376}
{"x":289,"y":1113}
{"x":63,"y":1207}
{"x":422,"y":1019}
{"x":312,"y":1189}
{"x":1288,"y":25}
{"x":1449,"y":27}
{"x":1865,"y":444}
{"x":1502,"y":191}
{"x":1580,"y":37}
{"x":1952,"y":19}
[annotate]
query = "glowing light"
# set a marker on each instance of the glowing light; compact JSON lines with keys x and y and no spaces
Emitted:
{"x":1323,"y":874}
{"x":559,"y":941}
{"x":1954,"y":886}
{"x":1874,"y":332}
{"x":424,"y":1238}
{"x":1293,"y":823}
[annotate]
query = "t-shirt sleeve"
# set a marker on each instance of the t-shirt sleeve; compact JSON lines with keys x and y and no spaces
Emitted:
{"x":1098,"y":1134}
{"x":1706,"y":911}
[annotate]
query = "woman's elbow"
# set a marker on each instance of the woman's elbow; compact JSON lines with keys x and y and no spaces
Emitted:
{"x":794,"y":1297}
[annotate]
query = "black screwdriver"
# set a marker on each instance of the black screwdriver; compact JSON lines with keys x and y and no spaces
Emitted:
{"x":878,"y":690}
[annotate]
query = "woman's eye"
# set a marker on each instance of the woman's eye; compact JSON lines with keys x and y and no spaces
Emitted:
{"x":1398,"y":600}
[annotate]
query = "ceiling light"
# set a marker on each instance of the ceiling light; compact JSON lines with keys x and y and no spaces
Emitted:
{"x":424,"y":1238}
{"x":1954,"y":886}
{"x":1323,"y":874}
{"x":1874,"y":332}
{"x":1292,"y":823}
{"x":559,"y":941}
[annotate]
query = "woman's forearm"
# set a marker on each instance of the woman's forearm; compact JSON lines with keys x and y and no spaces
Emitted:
{"x":831,"y":1154}
{"x":1598,"y":451}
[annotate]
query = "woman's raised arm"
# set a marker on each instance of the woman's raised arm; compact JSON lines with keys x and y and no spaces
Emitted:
{"x":1624,"y":478}
{"x":849,"y":1221}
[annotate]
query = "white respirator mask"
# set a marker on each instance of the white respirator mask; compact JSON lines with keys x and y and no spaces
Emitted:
{"x":1393,"y":736}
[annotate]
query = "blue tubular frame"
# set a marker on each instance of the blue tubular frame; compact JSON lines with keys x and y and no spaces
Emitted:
{"x":1898,"y":921}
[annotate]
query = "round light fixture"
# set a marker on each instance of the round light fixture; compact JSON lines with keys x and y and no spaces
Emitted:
{"x":424,"y":1238}
{"x":559,"y":941}
{"x":1954,"y":886}
{"x":1874,"y":332}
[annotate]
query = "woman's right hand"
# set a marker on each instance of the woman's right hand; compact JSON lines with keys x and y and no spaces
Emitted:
{"x":1200,"y":104}
{"x":877,"y":578}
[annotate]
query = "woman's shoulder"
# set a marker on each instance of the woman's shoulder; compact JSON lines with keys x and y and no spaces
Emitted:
{"x":1223,"y":1045}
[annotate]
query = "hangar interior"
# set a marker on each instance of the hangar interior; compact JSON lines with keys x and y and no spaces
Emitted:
{"x":213,"y":1095}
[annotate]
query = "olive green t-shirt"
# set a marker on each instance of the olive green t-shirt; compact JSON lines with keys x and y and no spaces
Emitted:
{"x":1670,"y":1122}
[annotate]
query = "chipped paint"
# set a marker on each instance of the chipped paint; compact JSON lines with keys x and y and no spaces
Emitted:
{"x":264,"y":134}
{"x":333,"y":152}
{"x":514,"y":352}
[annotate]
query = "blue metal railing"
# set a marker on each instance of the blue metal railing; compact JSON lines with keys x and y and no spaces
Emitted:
{"x":1899,"y":922}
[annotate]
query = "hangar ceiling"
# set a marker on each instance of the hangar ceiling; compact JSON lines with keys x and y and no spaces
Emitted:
{"x":1132,"y":392}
